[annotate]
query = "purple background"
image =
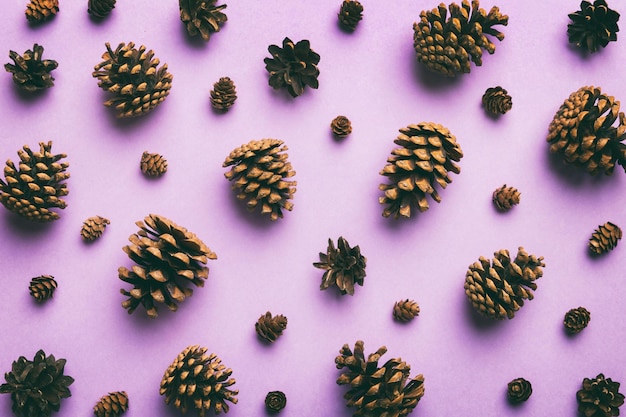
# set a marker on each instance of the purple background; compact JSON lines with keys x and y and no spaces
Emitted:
{"x":372,"y":77}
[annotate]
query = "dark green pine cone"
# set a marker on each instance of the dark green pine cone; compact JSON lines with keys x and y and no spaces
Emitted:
{"x":593,"y":26}
{"x":99,"y":9}
{"x":293,"y":66}
{"x":275,"y":401}
{"x":599,"y":397}
{"x":350,"y":14}
{"x":519,"y":390}
{"x":31,"y":72}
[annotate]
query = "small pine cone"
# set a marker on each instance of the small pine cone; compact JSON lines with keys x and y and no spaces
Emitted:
{"x":275,"y":401}
{"x":259,"y":172}
{"x":576,"y":319}
{"x":497,"y":100}
{"x":447,"y":46}
{"x":344,"y":266}
{"x":112,"y":405}
{"x":405,"y":310}
{"x":42,"y":287}
{"x":593,"y":26}
{"x":36,"y":185}
{"x":519,"y":390}
{"x":498,"y":288}
{"x":153,"y":164}
{"x":599,"y":397}
{"x":202,"y":17}
{"x":293,"y":66}
{"x":41,"y":10}
{"x":588,"y":130}
{"x":223,"y":95}
{"x":341,"y":126}
{"x":605,"y":238}
{"x":30,"y":72}
{"x":99,"y":9}
{"x":350,"y":13}
{"x":270,"y":328}
{"x":93,"y":227}
{"x":506,"y":197}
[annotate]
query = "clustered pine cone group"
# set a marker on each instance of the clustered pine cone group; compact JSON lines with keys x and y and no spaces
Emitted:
{"x":576,"y":319}
{"x":593,"y":26}
{"x":269,"y":327}
{"x":202,"y":17}
{"x":31,"y":72}
{"x":99,"y":9}
{"x":599,"y":397}
{"x":405,"y":310}
{"x":42,"y":287}
{"x":223,"y":95}
{"x":293,"y":66}
{"x":93,"y":227}
{"x":275,"y":401}
{"x":114,"y":404}
{"x":505,"y":197}
{"x":497,"y":100}
{"x":605,"y":238}
{"x":153,"y":164}
{"x":519,"y":390}
{"x":341,"y":126}
{"x":350,"y":14}
{"x":344,"y":266}
{"x":41,"y":10}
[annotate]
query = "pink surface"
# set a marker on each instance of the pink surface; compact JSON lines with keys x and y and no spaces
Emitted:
{"x":372,"y":77}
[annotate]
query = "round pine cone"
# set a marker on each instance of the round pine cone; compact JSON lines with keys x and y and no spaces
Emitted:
{"x":42,"y":287}
{"x":605,"y":238}
{"x":30,"y":72}
{"x":293,"y":66}
{"x":497,"y":100}
{"x":584,"y":131}
{"x":519,"y":390}
{"x":202,"y":17}
{"x":427,"y":153}
{"x":405,"y":310}
{"x":447,"y":46}
{"x":93,"y":227}
{"x":341,"y":126}
{"x":593,"y":26}
{"x":112,"y":405}
{"x":498,"y":288}
{"x":133,"y":77}
{"x":259,"y":171}
{"x":506,"y":197}
{"x":344,"y":266}
{"x":599,"y":397}
{"x":350,"y":14}
{"x":270,"y":328}
{"x":223,"y":95}
{"x":200,"y":381}
{"x":168,"y":257}
{"x":153,"y":164}
{"x":576,"y":319}
{"x":37,"y":185}
{"x":41,"y":10}
{"x":38,"y":386}
{"x":99,"y":9}
{"x":275,"y":401}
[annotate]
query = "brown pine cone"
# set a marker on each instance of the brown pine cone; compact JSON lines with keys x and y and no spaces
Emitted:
{"x":112,"y":405}
{"x":153,"y":164}
{"x":270,"y":328}
{"x":593,"y":26}
{"x":344,"y":266}
{"x":42,"y":287}
{"x":519,"y":390}
{"x":405,"y":310}
{"x":293,"y":66}
{"x":605,"y":238}
{"x":202,"y":17}
{"x":599,"y":397}
{"x":576,"y":319}
{"x":506,"y":197}
{"x":30,"y":72}
{"x":497,"y":100}
{"x":93,"y":227}
{"x":341,"y":126}
{"x":223,"y":95}
{"x":99,"y":9}
{"x":40,"y":10}
{"x":275,"y":401}
{"x":350,"y":13}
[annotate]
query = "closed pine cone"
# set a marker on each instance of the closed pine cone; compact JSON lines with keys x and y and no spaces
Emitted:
{"x":93,"y":227}
{"x":350,"y":13}
{"x":427,"y":153}
{"x":498,"y":288}
{"x":153,"y":164}
{"x":576,"y":319}
{"x":31,"y":72}
{"x":223,"y":95}
{"x":36,"y":185}
{"x":605,"y":238}
{"x":341,"y":126}
{"x":447,"y":43}
{"x":275,"y":401}
{"x":344,"y":266}
{"x":583,"y":131}
{"x":42,"y":287}
{"x":497,"y":100}
{"x":270,"y":328}
{"x":197,"y":380}
{"x":112,"y":405}
{"x":506,"y":197}
{"x":259,"y":170}
{"x":519,"y":390}
{"x":599,"y":397}
{"x":294,"y":66}
{"x":202,"y":17}
{"x":405,"y":310}
{"x":593,"y":26}
{"x":99,"y":9}
{"x":40,"y":10}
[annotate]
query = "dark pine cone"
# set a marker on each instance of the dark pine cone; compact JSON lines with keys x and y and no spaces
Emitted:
{"x":196,"y":380}
{"x":202,"y":17}
{"x":153,"y":164}
{"x":112,"y":405}
{"x":41,"y":10}
{"x":576,"y":319}
{"x":405,"y":310}
{"x":293,"y":66}
{"x":42,"y":287}
{"x":506,"y":197}
{"x":93,"y":228}
{"x":519,"y":390}
{"x":599,"y":397}
{"x":99,"y":9}
{"x":30,"y":72}
{"x":38,"y":386}
{"x":168,"y":257}
{"x":223,"y":95}
{"x":593,"y":26}
{"x":350,"y":13}
{"x":344,"y":266}
{"x":270,"y":328}
{"x":341,"y":126}
{"x":497,"y":100}
{"x":275,"y":401}
{"x":605,"y":238}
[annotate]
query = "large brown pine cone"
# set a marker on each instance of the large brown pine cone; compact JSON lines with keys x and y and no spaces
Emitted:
{"x":350,"y":13}
{"x":506,"y":197}
{"x":605,"y":238}
{"x":42,"y":287}
{"x":99,"y":9}
{"x":270,"y":328}
{"x":93,"y":227}
{"x":599,"y":397}
{"x":519,"y":390}
{"x":293,"y":66}
{"x":497,"y":100}
{"x":593,"y":26}
{"x":576,"y":319}
{"x":344,"y":266}
{"x":40,"y":10}
{"x":30,"y":72}
{"x":112,"y":405}
{"x":202,"y":17}
{"x":405,"y":310}
{"x":223,"y":95}
{"x":153,"y":164}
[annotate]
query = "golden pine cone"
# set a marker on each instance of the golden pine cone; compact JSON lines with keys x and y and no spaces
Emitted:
{"x":112,"y":405}
{"x":223,"y":95}
{"x":202,"y":17}
{"x":405,"y":310}
{"x":31,"y":72}
{"x":344,"y":266}
{"x":497,"y":100}
{"x":99,"y":9}
{"x":605,"y":238}
{"x":270,"y":328}
{"x":42,"y":287}
{"x":576,"y":319}
{"x":40,"y":10}
{"x":599,"y":397}
{"x":593,"y":26}
{"x":153,"y":164}
{"x":341,"y":126}
{"x":506,"y":197}
{"x":93,"y":227}
{"x":294,"y":66}
{"x":350,"y":13}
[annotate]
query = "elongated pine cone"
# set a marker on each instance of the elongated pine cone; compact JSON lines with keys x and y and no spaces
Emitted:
{"x":593,"y":26}
{"x":497,"y":100}
{"x":498,"y":288}
{"x":275,"y":401}
{"x":168,"y":258}
{"x":506,"y":197}
{"x":36,"y":185}
{"x":202,"y":17}
{"x":259,"y":170}
{"x":576,"y":319}
{"x":42,"y":287}
{"x":112,"y":405}
{"x":344,"y":266}
{"x":519,"y":390}
{"x":605,"y":238}
{"x":30,"y":72}
{"x":134,"y":78}
{"x":405,"y":310}
{"x":93,"y":228}
{"x":223,"y":95}
{"x":38,"y":386}
{"x":448,"y":43}
{"x":599,"y":397}
{"x":350,"y":13}
{"x":293,"y":66}
{"x":41,"y":10}
{"x":270,"y":328}
{"x":153,"y":164}
{"x":99,"y":9}
{"x":584,"y":131}
{"x":427,"y":153}
{"x":197,"y":380}
{"x":341,"y":126}
{"x":378,"y":391}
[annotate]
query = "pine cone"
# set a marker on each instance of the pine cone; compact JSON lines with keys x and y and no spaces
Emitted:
{"x":583,"y":131}
{"x":344,"y":266}
{"x":112,"y":405}
{"x":42,"y":287}
{"x":99,"y":9}
{"x":506,"y":197}
{"x":270,"y":328}
{"x":30,"y":72}
{"x":202,"y":17}
{"x":497,"y":100}
{"x":168,"y":257}
{"x":38,"y":386}
{"x":36,"y":185}
{"x":519,"y":390}
{"x":132,"y":76}
{"x":599,"y":397}
{"x":341,"y":126}
{"x":405,"y":310}
{"x":41,"y":10}
{"x":426,"y":156}
{"x":576,"y":319}
{"x":498,"y":288}
{"x":153,"y":164}
{"x":223,"y":95}
{"x":293,"y":66}
{"x":374,"y":391}
{"x":448,"y":46}
{"x":593,"y":26}
{"x":350,"y":13}
{"x":259,"y":170}
{"x":200,"y":381}
{"x":275,"y":401}
{"x":93,"y":227}
{"x":605,"y":238}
